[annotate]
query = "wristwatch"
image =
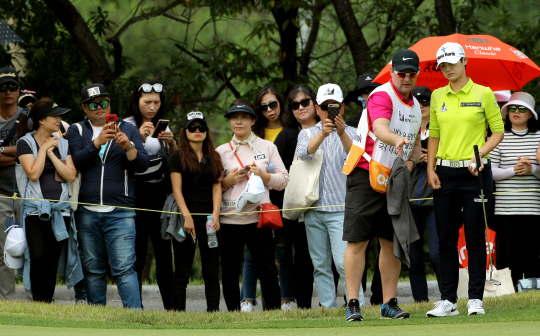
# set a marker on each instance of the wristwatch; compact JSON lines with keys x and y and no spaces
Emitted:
{"x":130,"y":148}
{"x":2,"y":149}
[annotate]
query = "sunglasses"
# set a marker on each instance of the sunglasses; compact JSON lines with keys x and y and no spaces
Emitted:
{"x":425,"y":103}
{"x":93,"y":105}
{"x":304,"y":102}
{"x":272,"y":105}
{"x":11,"y":87}
{"x":325,"y":107}
{"x":148,"y":88}
{"x":193,"y":128}
{"x":406,"y":74}
{"x":513,"y":108}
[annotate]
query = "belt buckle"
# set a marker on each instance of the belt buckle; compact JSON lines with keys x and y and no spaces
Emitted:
{"x":455,"y":164}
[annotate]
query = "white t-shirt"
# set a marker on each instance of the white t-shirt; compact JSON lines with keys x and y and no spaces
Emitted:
{"x":98,"y":208}
{"x":152,"y":145}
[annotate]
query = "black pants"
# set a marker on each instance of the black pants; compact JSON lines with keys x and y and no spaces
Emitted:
{"x":148,"y":224}
{"x":460,"y":189}
{"x":518,"y":245}
{"x":44,"y":254}
{"x":303,"y":267}
{"x":424,"y":217}
{"x":183,"y":261}
{"x":261,"y":246}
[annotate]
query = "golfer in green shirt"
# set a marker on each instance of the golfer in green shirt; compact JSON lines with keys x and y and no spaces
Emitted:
{"x":460,"y":113}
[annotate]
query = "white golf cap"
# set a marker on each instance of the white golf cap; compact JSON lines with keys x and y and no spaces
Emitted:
{"x":14,"y":247}
{"x":253,"y":193}
{"x":329,"y":92}
{"x":450,"y":53}
{"x":521,"y":99}
{"x":502,"y":96}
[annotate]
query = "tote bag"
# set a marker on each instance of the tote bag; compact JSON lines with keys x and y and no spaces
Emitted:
{"x":503,"y":275}
{"x":303,"y":188}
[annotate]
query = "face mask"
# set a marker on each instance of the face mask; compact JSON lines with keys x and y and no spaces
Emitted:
{"x":363,"y":101}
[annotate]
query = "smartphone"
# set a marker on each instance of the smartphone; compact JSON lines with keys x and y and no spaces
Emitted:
{"x":246,"y":169}
{"x":160,"y":127}
{"x":112,"y":119}
{"x":333,"y":111}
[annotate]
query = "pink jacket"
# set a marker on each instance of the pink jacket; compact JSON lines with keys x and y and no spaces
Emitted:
{"x":265,"y":153}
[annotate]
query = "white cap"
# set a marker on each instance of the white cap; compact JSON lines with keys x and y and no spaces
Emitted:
{"x":14,"y":247}
{"x":329,"y":92}
{"x":253,"y":193}
{"x":450,"y":53}
{"x":502,"y":96}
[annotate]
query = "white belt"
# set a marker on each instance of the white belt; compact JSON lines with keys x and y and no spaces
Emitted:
{"x":457,"y":164}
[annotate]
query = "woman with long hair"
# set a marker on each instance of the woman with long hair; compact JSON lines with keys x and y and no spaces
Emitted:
{"x":270,"y":119}
{"x":43,"y":169}
{"x":515,"y":167}
{"x":146,"y":108}
{"x":238,"y":230}
{"x":196,"y":182}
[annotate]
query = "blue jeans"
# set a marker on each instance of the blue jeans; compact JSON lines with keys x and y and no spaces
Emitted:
{"x":324,"y":232}
{"x":111,"y":234}
{"x":286,"y":268}
{"x":425,"y":219}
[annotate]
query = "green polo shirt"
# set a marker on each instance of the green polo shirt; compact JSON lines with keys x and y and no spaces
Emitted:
{"x":459,"y":120}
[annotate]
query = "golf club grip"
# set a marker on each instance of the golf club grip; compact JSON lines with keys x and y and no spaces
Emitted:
{"x":478,"y":165}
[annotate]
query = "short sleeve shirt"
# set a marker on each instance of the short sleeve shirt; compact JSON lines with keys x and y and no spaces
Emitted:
{"x":196,"y":188}
{"x":460,"y":119}
{"x":50,"y":188}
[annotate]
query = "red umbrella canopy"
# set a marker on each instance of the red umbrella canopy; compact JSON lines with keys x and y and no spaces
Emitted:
{"x":492,"y":63}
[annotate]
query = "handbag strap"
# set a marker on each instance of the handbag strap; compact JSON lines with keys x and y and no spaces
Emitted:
{"x":237,"y":158}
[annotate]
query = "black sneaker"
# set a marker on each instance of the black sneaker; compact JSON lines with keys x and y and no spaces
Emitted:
{"x":352,"y":313}
{"x":390,"y":310}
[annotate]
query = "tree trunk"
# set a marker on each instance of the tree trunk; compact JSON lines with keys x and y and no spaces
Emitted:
{"x":286,"y":21}
{"x":81,"y":34}
{"x":355,"y":38}
{"x":305,"y":57}
{"x":447,"y":22}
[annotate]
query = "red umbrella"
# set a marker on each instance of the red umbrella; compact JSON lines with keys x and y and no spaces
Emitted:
{"x":491,"y":63}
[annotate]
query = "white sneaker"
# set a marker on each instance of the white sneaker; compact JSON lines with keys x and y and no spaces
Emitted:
{"x":246,"y":307}
{"x":476,"y":307}
{"x":442,"y":309}
{"x":286,"y":306}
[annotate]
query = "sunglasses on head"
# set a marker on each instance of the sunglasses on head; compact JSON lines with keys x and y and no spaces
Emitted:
{"x":264,"y":107}
{"x":406,"y":74}
{"x":325,"y":107}
{"x":304,"y":102}
{"x":148,"y":87}
{"x":514,"y":108}
{"x":194,"y":128}
{"x":11,"y":87}
{"x":92,"y":106}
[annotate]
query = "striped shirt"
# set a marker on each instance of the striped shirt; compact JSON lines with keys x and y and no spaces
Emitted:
{"x":504,"y":157}
{"x":332,"y":181}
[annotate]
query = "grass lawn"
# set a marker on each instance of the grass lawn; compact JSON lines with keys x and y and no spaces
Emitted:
{"x":507,"y":315}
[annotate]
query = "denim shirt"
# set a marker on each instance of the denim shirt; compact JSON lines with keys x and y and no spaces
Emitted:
{"x":70,"y":262}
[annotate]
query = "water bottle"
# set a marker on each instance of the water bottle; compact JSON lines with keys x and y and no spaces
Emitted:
{"x":212,"y":238}
{"x":270,"y":170}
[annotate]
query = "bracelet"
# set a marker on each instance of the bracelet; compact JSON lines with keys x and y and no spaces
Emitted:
{"x":482,"y":154}
{"x":414,"y":163}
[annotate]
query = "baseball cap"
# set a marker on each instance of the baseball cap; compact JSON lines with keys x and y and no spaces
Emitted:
{"x":92,"y":91}
{"x":520,"y":98}
{"x":14,"y":247}
{"x":8,"y":74}
{"x":329,"y":92}
{"x":450,"y":52}
{"x":422,"y":93}
{"x":252,"y":194}
{"x":50,"y":109}
{"x":241,"y":108}
{"x":365,"y":83}
{"x":194,"y":116}
{"x":406,"y":59}
{"x":502,"y":96}
{"x":26,"y":97}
